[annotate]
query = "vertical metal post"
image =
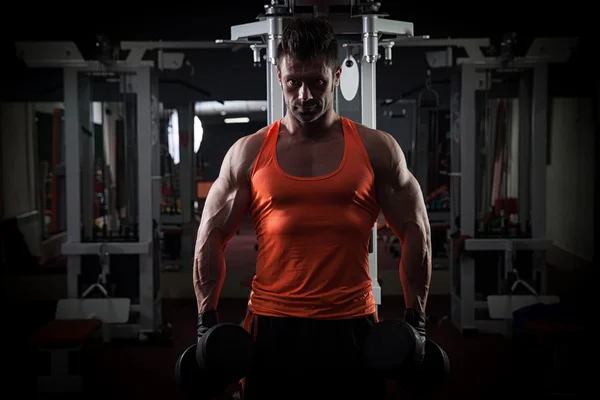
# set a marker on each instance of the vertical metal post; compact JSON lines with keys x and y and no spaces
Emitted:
{"x":539,"y":141}
{"x":144,"y":155}
{"x":130,"y":154}
{"x":485,"y":177}
{"x":274,"y":92}
{"x":186,"y":179}
{"x":524,"y":150}
{"x":156,"y":188}
{"x":72,"y":175}
{"x":368,"y":92}
{"x":144,"y":152}
{"x":156,"y":152}
{"x":455,"y":183}
{"x":468,"y":125}
{"x":88,"y":156}
{"x":538,"y":146}
{"x":336,"y":99}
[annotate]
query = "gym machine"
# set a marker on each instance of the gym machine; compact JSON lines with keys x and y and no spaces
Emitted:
{"x":429,"y":118}
{"x":424,"y":119}
{"x":178,"y":222}
{"x":364,"y":20}
{"x":119,"y":260}
{"x":137,"y":245}
{"x":515,"y":245}
{"x":522,"y":249}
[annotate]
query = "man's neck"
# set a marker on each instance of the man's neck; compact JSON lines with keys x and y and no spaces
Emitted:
{"x":311,"y":130}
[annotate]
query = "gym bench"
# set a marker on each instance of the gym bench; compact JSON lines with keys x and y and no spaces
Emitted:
{"x":59,"y":346}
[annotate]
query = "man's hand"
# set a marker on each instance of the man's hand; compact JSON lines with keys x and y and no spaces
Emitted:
{"x":396,"y":348}
{"x":418,"y":320}
{"x":206,"y":320}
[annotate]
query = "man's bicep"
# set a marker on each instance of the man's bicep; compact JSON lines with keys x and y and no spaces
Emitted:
{"x":225,"y":206}
{"x":402,"y":205}
{"x":227,"y":201}
{"x":399,"y":193}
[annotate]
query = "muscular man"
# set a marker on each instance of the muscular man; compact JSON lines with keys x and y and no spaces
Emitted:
{"x":314,"y":184}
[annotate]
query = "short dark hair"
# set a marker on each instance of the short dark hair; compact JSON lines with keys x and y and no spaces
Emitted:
{"x":307,"y":38}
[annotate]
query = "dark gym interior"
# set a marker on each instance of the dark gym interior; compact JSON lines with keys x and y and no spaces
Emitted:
{"x":508,"y":178}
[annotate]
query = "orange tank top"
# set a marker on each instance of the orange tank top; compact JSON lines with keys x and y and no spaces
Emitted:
{"x":313,"y":235}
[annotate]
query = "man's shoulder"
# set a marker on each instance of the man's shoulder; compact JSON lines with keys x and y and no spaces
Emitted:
{"x":375,"y":141}
{"x":245,"y":150}
{"x":251,"y":144}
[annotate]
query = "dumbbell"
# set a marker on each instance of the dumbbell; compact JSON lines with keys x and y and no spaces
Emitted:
{"x":222,"y":357}
{"x":393,"y":348}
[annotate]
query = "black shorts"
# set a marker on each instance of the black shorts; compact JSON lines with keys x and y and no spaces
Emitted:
{"x":311,"y":359}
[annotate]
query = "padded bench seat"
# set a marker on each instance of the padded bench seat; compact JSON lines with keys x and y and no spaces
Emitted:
{"x":544,"y":327}
{"x":556,"y":349}
{"x":59,"y":344}
{"x":66,"y":332}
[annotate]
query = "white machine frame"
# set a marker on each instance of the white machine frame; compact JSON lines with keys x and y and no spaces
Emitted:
{"x":532,"y":180}
{"x":66,"y":55}
{"x":187,"y":188}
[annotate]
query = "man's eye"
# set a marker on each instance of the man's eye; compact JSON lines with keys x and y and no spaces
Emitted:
{"x":320,"y":82}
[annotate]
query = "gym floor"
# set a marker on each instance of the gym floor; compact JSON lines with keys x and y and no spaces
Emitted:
{"x":482,"y":366}
{"x":125,"y":370}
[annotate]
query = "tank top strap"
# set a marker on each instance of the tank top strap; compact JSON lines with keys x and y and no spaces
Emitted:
{"x":268,"y":148}
{"x":356,"y":146}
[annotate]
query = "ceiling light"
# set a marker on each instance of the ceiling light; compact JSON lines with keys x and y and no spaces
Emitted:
{"x":240,"y":120}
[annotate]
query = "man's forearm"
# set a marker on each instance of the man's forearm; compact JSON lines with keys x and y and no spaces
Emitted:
{"x":415,"y":267}
{"x":209,"y":271}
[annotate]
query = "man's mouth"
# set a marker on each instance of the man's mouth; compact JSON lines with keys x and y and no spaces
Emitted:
{"x":308,"y":109}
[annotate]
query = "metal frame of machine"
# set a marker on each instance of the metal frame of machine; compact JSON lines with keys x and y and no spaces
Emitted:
{"x":65,"y":55}
{"x":533,"y":115}
{"x":185,"y":221}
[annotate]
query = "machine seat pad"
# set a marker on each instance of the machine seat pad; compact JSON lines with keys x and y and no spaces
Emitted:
{"x":65,"y":332}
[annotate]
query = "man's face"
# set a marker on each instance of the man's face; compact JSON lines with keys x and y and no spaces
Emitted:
{"x":307,"y":86}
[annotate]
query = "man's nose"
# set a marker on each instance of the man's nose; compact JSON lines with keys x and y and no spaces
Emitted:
{"x":305,"y":93}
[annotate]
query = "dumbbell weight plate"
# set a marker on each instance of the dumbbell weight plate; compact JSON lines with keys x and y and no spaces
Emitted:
{"x":436,"y":364}
{"x":187,"y":373}
{"x":228,"y":348}
{"x":390,"y":346}
{"x":222,"y":357}
{"x":432,"y":374}
{"x":198,"y":383}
